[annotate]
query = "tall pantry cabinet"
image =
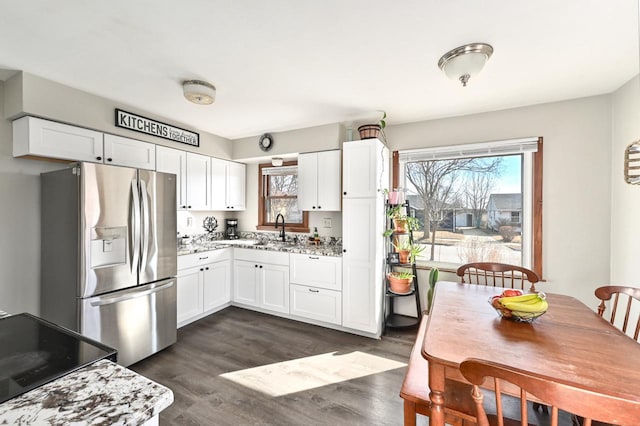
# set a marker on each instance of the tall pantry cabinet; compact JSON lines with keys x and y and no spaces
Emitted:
{"x":365,"y":175}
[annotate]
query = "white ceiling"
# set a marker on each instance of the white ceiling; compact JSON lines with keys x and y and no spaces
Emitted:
{"x":285,"y":64}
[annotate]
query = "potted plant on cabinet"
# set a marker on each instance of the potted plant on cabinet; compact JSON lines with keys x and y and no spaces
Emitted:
{"x":374,"y":131}
{"x":400,"y":282}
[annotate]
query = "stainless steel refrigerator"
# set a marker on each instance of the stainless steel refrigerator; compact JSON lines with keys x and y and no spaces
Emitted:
{"x":109,"y":260}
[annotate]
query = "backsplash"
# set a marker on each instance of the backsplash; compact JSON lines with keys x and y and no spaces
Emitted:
{"x":292,"y":237}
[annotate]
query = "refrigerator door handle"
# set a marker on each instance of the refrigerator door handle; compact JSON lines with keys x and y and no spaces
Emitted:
{"x":146,"y":223}
{"x":135,"y":226}
{"x":132,"y":295}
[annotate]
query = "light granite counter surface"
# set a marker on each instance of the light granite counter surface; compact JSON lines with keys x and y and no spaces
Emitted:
{"x":103,"y":393}
{"x":257,"y":241}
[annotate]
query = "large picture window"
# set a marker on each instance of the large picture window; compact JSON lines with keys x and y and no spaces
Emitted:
{"x":278,"y":188}
{"x":476,"y":203}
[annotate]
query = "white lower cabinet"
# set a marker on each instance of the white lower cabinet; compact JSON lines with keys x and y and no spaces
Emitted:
{"x":261,"y":279}
{"x":316,"y":303}
{"x":316,"y":287}
{"x":204,"y":284}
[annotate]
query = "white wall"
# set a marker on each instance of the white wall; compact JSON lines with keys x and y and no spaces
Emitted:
{"x":576,"y":182}
{"x":19,"y":225}
{"x":33,"y":95}
{"x":625,"y":198}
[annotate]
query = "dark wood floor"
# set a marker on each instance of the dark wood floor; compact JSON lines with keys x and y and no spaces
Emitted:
{"x":236,"y":339}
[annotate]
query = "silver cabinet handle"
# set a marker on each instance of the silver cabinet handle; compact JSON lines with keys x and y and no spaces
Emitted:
{"x":314,"y":291}
{"x":132,"y":295}
{"x":203,"y":258}
{"x":314,"y":257}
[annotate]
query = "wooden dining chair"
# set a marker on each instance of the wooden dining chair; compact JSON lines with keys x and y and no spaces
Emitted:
{"x":498,"y":275}
{"x":619,"y":294}
{"x":588,"y":404}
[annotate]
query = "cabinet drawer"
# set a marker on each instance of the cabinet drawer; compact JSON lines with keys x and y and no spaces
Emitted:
{"x":262,"y":256}
{"x":316,"y":303}
{"x":202,"y":258}
{"x":316,"y":271}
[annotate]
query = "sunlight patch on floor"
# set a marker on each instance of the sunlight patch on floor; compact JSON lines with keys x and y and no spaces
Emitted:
{"x":302,"y":374}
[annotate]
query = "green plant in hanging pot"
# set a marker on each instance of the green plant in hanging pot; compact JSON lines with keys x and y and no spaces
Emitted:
{"x":433,"y":279}
{"x":374,"y":131}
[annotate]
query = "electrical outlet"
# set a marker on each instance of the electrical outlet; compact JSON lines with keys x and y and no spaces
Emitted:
{"x":189,"y":222}
{"x":327,"y":222}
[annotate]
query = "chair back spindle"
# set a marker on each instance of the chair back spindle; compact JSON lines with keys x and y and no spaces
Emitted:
{"x":498,"y":275}
{"x":582,"y":402}
{"x":619,"y":294}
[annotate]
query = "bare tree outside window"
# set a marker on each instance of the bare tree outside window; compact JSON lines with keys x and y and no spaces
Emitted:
{"x":451,"y":198}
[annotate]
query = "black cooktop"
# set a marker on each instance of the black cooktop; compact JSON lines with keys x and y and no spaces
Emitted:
{"x":34,"y":351}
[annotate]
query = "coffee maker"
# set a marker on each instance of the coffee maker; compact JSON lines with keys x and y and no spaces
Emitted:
{"x":231,"y":230}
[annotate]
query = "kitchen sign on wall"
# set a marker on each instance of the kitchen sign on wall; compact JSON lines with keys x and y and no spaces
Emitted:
{"x":140,"y":124}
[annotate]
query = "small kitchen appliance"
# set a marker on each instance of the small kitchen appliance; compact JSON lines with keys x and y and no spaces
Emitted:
{"x":232,"y":229}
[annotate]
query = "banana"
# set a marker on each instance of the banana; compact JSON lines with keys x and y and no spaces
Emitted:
{"x":528,"y":303}
{"x":524,"y":297}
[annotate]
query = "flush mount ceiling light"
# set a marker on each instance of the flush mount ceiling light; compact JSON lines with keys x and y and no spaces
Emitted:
{"x":199,"y":92}
{"x":465,"y":61}
{"x":277,"y":161}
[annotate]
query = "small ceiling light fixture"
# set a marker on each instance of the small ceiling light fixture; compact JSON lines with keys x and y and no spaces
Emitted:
{"x":199,"y":92}
{"x":465,"y":61}
{"x":277,"y":161}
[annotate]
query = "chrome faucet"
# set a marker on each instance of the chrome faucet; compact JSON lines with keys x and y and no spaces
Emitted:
{"x":282,"y":231}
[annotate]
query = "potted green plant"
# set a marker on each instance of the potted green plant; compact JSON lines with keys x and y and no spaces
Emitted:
{"x":400,"y":282}
{"x":373,"y":131}
{"x":408,"y":251}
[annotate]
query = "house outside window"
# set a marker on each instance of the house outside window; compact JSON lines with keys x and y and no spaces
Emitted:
{"x":474,"y":202}
{"x":278,"y":187}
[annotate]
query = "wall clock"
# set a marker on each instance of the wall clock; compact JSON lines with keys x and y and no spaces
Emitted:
{"x":266,"y":142}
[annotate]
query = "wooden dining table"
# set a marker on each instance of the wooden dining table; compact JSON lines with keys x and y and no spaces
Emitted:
{"x":570,"y":343}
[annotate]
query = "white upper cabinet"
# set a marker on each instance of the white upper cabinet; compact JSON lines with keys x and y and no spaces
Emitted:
{"x":174,"y":161}
{"x":198,"y":182}
{"x":319,"y":181}
{"x":43,"y":138}
{"x":363,"y":162}
{"x":127,"y":152}
{"x":228,"y":185}
{"x":236,"y":185}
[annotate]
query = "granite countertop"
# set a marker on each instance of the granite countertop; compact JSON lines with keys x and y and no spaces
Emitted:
{"x":103,"y":393}
{"x":323,"y":249}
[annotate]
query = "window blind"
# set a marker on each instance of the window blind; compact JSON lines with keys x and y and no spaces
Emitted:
{"x":280,"y":171}
{"x":484,"y":149}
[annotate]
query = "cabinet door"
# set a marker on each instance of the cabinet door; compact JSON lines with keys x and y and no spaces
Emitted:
{"x":198,"y":182}
{"x":275,"y":287}
{"x":359,"y":287}
{"x":217,"y":285}
{"x":44,"y":138}
{"x":236,"y":185}
{"x":127,"y":152}
{"x":246,"y":288}
{"x":219,"y":184}
{"x":174,"y":161}
{"x":189,"y":295}
{"x":308,"y":181}
{"x":316,"y":303}
{"x":329,"y":173}
{"x":359,"y":170}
